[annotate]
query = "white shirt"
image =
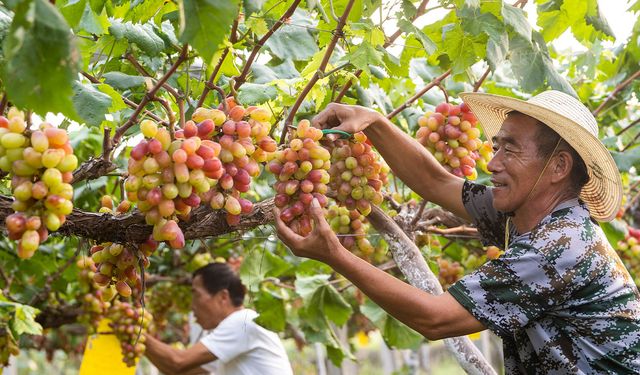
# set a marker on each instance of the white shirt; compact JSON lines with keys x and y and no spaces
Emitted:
{"x":245,"y":348}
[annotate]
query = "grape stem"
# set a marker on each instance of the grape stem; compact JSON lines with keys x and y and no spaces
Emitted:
{"x":239,"y":80}
{"x":144,"y":72}
{"x":422,"y":8}
{"x":615,"y":92}
{"x":3,"y":103}
{"x":479,"y":82}
{"x":337,"y":34}
{"x":435,"y":82}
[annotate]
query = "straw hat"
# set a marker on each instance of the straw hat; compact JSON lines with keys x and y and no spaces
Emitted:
{"x":576,"y":125}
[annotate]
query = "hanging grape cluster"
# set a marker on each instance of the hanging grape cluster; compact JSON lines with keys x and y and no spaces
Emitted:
{"x":301,"y":171}
{"x":452,"y":135}
{"x":130,"y":323}
{"x":40,"y":163}
{"x":212,"y":160}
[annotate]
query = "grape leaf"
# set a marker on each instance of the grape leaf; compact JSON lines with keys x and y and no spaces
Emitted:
{"x":294,"y":41}
{"x":516,"y":18}
{"x":143,"y":36}
{"x":204,"y":23}
{"x":526,"y":63}
{"x":90,"y":103}
{"x":363,"y":56}
{"x":41,"y":59}
{"x":122,"y":81}
{"x":460,"y":48}
{"x":253,"y":93}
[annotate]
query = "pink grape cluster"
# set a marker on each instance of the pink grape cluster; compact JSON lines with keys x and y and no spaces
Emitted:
{"x":116,"y":263}
{"x":212,"y":159}
{"x":244,"y":143}
{"x":301,"y":170}
{"x":351,"y":227}
{"x":94,"y":300}
{"x":129,"y":323}
{"x":40,"y":163}
{"x":451,"y":134}
{"x":357,"y":173}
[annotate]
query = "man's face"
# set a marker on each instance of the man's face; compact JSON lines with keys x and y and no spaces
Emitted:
{"x":516,"y":164}
{"x":206,"y":307}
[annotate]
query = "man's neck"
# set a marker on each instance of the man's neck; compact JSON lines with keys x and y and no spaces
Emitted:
{"x":531,"y":214}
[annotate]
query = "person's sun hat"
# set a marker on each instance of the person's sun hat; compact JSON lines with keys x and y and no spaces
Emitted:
{"x":571,"y":119}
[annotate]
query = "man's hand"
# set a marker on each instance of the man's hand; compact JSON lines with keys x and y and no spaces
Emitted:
{"x":321,"y":244}
{"x":348,"y":118}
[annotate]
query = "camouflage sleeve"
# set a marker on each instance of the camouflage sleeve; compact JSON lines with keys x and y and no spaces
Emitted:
{"x":505,"y":294}
{"x":478,"y":201}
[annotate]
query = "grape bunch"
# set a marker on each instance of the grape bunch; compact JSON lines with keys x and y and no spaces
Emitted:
{"x":115,"y":264}
{"x":357,"y":173}
{"x":449,"y":272}
{"x":351,"y":227}
{"x":129,"y":323}
{"x":451,"y":134}
{"x":244,"y":143}
{"x":629,"y":250}
{"x":40,"y":163}
{"x":94,"y":300}
{"x":301,"y":170}
{"x":166,"y":298}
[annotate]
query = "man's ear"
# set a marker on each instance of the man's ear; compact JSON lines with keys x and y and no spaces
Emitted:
{"x":562,"y":166}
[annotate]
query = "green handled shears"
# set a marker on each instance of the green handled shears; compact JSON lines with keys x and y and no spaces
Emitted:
{"x":343,"y":135}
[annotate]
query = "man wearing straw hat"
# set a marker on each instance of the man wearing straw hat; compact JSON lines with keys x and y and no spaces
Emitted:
{"x":559,"y":297}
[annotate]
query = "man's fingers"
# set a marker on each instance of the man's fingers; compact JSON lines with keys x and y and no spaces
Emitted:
{"x":318,"y":215}
{"x":285,"y":233}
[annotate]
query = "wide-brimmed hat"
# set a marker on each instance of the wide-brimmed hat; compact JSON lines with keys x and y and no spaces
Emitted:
{"x":576,"y":125}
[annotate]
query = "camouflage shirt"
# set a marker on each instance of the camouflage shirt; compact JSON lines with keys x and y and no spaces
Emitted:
{"x":559,"y":297}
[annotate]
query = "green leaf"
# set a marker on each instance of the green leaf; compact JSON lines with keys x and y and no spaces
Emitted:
{"x":252,"y":6}
{"x":260,"y":264}
{"x":460,"y":48}
{"x":294,"y":42}
{"x":24,"y":320}
{"x":205,"y":23}
{"x":252,"y":93}
{"x":41,"y":59}
{"x":143,"y":10}
{"x":272,"y":311}
{"x":395,"y":333}
{"x":497,"y":50}
{"x":363,"y":56}
{"x":626,"y":160}
{"x":516,"y":18}
{"x":143,"y":36}
{"x":306,"y":285}
{"x":122,"y":81}
{"x":92,"y":23}
{"x":5,"y":24}
{"x":615,"y":231}
{"x":426,"y":42}
{"x":527,"y":63}
{"x":90,"y":103}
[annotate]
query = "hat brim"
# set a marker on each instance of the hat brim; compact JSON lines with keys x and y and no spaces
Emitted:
{"x":603,"y":192}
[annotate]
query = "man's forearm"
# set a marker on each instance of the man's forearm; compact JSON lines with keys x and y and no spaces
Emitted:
{"x":405,"y":302}
{"x":161,"y":355}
